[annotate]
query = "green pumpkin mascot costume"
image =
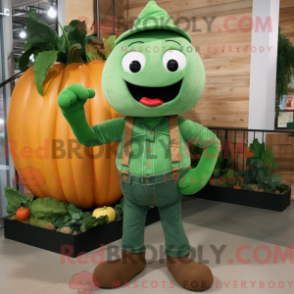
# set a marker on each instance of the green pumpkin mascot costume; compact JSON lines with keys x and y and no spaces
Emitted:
{"x":152,"y":75}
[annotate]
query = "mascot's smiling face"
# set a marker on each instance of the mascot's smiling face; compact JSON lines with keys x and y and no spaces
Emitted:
{"x":153,"y":73}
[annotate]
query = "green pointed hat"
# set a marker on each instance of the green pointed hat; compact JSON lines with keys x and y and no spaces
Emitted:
{"x":152,"y":17}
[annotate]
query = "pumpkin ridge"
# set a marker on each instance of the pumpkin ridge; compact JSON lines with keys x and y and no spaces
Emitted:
{"x":51,"y":186}
{"x":31,"y":118}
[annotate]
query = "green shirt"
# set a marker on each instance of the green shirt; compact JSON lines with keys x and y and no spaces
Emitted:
{"x":151,"y":153}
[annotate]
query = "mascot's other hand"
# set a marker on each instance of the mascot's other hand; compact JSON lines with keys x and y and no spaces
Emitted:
{"x":74,"y":97}
{"x":192,"y":182}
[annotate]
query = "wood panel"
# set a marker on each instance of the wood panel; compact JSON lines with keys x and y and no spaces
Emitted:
{"x":287,"y":18}
{"x":82,"y":10}
{"x":226,"y":55}
{"x":85,"y":10}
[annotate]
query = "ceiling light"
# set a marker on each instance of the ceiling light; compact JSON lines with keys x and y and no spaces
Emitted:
{"x":52,"y":12}
{"x":23,"y":34}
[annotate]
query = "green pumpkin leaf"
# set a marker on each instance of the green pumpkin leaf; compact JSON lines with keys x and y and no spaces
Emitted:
{"x":76,"y":32}
{"x":75,"y":216}
{"x":24,"y":60}
{"x":91,"y":222}
{"x":14,"y":198}
{"x":40,"y":35}
{"x":72,"y":209}
{"x":10,"y":209}
{"x":86,"y":214}
{"x":111,"y":41}
{"x":27,"y":45}
{"x":42,"y":64}
{"x":37,"y":222}
{"x":48,"y":208}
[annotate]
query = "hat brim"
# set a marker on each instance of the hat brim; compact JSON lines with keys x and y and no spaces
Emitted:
{"x":152,"y":27}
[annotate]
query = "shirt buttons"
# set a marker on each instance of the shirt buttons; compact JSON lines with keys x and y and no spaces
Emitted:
{"x":147,"y":163}
{"x":149,"y":150}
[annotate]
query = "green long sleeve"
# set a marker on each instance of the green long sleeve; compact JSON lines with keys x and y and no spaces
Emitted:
{"x":106,"y":132}
{"x":197,"y":134}
{"x":79,"y":125}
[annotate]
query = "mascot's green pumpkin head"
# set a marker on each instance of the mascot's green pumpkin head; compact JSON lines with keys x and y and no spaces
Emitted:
{"x":154,"y":70}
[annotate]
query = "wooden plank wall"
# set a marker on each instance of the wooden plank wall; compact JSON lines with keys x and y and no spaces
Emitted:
{"x":85,"y":10}
{"x":287,"y":18}
{"x":82,"y":10}
{"x":225,"y":101}
{"x":282,"y":146}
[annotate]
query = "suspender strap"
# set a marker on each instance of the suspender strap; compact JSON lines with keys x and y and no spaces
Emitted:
{"x":127,"y":147}
{"x":174,"y":144}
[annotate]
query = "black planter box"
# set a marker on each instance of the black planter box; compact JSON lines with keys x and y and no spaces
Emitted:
{"x":277,"y":202}
{"x":75,"y":244}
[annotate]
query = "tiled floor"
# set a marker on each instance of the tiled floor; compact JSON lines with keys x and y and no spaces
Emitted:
{"x":27,"y":270}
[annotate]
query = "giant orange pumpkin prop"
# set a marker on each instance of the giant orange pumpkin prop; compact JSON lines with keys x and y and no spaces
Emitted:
{"x":36,"y":125}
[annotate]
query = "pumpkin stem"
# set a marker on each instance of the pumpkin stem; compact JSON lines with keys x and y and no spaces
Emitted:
{"x":104,"y":207}
{"x":74,"y":54}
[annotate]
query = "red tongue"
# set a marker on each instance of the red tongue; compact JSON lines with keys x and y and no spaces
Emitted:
{"x":151,"y":102}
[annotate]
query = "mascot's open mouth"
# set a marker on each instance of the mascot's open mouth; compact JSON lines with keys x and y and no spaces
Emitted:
{"x":154,"y":96}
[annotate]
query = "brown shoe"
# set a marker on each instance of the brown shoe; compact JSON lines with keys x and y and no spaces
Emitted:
{"x":115,"y":273}
{"x":190,"y":274}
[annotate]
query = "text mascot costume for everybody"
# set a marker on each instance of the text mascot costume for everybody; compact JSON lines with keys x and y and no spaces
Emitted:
{"x":151,"y":76}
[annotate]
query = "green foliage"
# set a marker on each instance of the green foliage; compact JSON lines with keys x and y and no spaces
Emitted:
{"x":285,"y":67}
{"x":257,"y":148}
{"x":72,"y":219}
{"x":260,"y":168}
{"x":119,"y":210}
{"x":40,"y":35}
{"x":111,"y":41}
{"x":221,"y":164}
{"x":91,"y":222}
{"x":42,"y":64}
{"x":37,"y":222}
{"x":47,"y":209}
{"x":61,"y":214}
{"x":76,"y":32}
{"x":24,"y":60}
{"x":16,"y":200}
{"x":47,"y":47}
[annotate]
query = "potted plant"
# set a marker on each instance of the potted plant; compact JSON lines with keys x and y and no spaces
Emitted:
{"x":257,"y":186}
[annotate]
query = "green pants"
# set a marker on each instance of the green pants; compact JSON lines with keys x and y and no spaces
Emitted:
{"x":142,"y":192}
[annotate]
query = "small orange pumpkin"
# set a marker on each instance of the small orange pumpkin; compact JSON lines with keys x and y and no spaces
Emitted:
{"x":23,"y":213}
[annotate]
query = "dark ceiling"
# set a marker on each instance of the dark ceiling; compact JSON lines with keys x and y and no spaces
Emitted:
{"x":20,"y":9}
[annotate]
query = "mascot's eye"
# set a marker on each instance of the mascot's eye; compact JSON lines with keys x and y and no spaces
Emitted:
{"x":174,"y":60}
{"x":133,"y":62}
{"x":172,"y":65}
{"x":135,"y":66}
